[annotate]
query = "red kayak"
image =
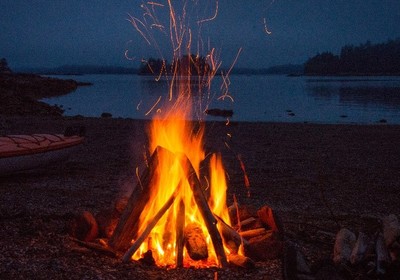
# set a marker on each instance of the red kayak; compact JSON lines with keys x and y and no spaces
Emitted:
{"x":23,"y":152}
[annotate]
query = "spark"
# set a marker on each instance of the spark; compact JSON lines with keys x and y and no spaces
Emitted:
{"x":128,"y":57}
{"x":138,"y":106}
{"x":266,"y":28}
{"x":155,"y":4}
{"x":134,"y":21}
{"x":211,"y":18}
{"x":155,"y":104}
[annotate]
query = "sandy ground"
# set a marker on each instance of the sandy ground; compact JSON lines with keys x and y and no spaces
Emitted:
{"x":318,"y":178}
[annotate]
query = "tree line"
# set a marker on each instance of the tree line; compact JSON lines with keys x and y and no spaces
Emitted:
{"x":365,"y":59}
{"x":187,"y":65}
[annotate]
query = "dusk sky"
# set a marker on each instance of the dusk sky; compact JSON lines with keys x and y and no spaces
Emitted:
{"x":51,"y":33}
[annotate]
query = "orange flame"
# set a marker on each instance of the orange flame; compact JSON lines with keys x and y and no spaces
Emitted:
{"x":171,"y":130}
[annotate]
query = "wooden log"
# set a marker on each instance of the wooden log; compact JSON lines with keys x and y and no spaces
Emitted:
{"x":151,"y":224}
{"x":241,"y":261}
{"x":180,"y":237}
{"x":205,"y":211}
{"x":127,"y":227}
{"x":264,"y":247}
{"x":96,"y":247}
{"x":343,"y":247}
{"x":270,"y":219}
{"x":232,"y":238}
{"x":360,"y":249}
{"x":195,"y":242}
{"x":248,"y":234}
{"x":248,"y":221}
{"x":84,"y":227}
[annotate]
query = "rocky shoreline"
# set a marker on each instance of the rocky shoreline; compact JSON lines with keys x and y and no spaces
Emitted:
{"x":20,"y":93}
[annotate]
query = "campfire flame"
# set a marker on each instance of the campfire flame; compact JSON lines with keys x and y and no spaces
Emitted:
{"x":170,"y":129}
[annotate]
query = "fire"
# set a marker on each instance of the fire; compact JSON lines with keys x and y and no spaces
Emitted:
{"x":172,"y":130}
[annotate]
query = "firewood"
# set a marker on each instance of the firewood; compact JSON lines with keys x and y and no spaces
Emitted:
{"x":248,"y":234}
{"x":247,"y":222}
{"x":232,"y":238}
{"x":269,"y":217}
{"x":97,"y":247}
{"x":264,"y":247}
{"x":382,"y":255}
{"x":84,"y":227}
{"x":151,"y":224}
{"x":241,"y":261}
{"x":195,"y":242}
{"x":180,"y":236}
{"x":344,"y":243}
{"x":360,"y":248}
{"x":127,"y":227}
{"x":205,"y":211}
{"x":391,"y":229}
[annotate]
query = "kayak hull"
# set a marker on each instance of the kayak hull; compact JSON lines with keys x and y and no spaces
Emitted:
{"x":24,"y":152}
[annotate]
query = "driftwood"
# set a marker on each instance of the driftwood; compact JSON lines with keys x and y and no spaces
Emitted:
{"x":204,"y":208}
{"x":151,"y":224}
{"x":127,"y":226}
{"x":345,"y":240}
{"x":180,"y":238}
{"x":195,"y":242}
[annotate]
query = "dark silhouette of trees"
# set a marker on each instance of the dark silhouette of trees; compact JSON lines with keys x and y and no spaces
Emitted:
{"x":365,"y":59}
{"x":187,"y":65}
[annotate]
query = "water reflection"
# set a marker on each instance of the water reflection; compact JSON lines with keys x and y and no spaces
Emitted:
{"x":357,"y":92}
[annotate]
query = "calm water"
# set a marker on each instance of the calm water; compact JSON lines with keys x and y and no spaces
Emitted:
{"x":256,"y":98}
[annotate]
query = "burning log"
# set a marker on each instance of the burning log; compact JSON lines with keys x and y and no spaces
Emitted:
{"x":208,"y":217}
{"x":149,"y":227}
{"x":127,"y":226}
{"x":343,"y":247}
{"x":195,"y":242}
{"x":180,"y":236}
{"x":231,"y":237}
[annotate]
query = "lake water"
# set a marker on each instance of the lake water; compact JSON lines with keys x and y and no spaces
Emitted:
{"x":261,"y":98}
